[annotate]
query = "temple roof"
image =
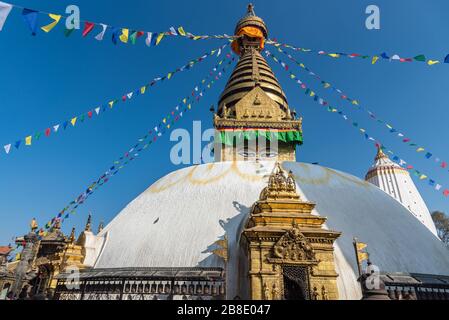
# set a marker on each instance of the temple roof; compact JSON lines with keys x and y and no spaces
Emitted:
{"x":4,"y":250}
{"x":252,"y":70}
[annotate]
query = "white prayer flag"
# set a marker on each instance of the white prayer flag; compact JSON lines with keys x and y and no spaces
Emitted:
{"x":5,"y":9}
{"x":56,"y":127}
{"x":7,"y":148}
{"x":100,"y":36}
{"x":97,"y":110}
{"x":173,"y":31}
{"x":148,"y":39}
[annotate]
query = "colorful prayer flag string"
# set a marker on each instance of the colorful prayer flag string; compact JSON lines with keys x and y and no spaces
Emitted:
{"x":372,"y":116}
{"x":144,"y":142}
{"x":316,"y":98}
{"x":125,"y":35}
{"x":110,"y":105}
{"x":372,"y":58}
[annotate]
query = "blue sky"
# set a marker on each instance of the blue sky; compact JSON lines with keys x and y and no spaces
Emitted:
{"x":47,"y":79}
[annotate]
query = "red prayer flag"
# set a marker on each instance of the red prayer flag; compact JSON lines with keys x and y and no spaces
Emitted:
{"x":89,"y":114}
{"x":88,"y":27}
{"x":140,"y":33}
{"x":446,"y":193}
{"x":409,"y":167}
{"x":124,"y":98}
{"x":406,"y":140}
{"x":443,"y":164}
{"x":47,"y":132}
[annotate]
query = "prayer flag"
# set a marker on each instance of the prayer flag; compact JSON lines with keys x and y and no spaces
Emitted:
{"x":100,"y":36}
{"x":115,"y":35}
{"x":420,"y":57}
{"x":159,"y":38}
{"x":7,"y":148}
{"x":28,"y":140}
{"x":446,"y":60}
{"x":50,"y":26}
{"x":432,"y":62}
{"x":47,"y":132}
{"x":148,"y":40}
{"x":446,"y":193}
{"x":88,"y":27}
{"x":30,"y":18}
{"x":5,"y":9}
{"x":124,"y":36}
{"x":181,"y":31}
{"x":73,"y":121}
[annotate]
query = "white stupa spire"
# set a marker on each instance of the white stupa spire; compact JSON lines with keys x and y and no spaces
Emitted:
{"x":397,"y":182}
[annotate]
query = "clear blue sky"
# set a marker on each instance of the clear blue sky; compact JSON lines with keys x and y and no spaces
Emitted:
{"x":47,"y":79}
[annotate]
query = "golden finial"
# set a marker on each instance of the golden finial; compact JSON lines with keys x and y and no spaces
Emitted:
{"x":380,"y":153}
{"x":251,"y":10}
{"x":33,"y":225}
{"x":100,"y":227}
{"x":88,"y":223}
{"x":72,"y":235}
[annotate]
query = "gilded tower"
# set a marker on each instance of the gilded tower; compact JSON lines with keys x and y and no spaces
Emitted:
{"x":254,"y":120}
{"x":290,"y":254}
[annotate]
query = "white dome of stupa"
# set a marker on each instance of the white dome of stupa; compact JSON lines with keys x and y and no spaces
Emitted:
{"x":177,"y":221}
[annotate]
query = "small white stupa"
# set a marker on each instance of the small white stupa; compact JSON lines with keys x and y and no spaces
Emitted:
{"x":397,"y":182}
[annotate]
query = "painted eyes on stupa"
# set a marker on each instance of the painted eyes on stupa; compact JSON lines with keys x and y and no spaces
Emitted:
{"x":266,"y":153}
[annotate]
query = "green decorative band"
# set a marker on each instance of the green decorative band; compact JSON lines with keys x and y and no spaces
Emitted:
{"x":229,"y":137}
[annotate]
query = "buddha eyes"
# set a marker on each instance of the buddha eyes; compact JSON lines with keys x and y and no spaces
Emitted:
{"x":266,"y":153}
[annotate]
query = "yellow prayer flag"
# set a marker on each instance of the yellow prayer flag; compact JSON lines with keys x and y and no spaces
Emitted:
{"x":432,"y":62}
{"x":50,"y":26}
{"x":142,"y":90}
{"x":302,"y":65}
{"x":196,"y":37}
{"x":124,"y":36}
{"x":363,"y":256}
{"x":420,"y":149}
{"x":28,"y":140}
{"x":312,"y":93}
{"x":111,"y":104}
{"x":374,"y":60}
{"x":73,"y":121}
{"x":355,"y":102}
{"x":169,"y":76}
{"x":360,"y":246}
{"x":159,"y":37}
{"x":184,"y":100}
{"x":181,"y":31}
{"x":164,"y":121}
{"x":292,"y":76}
{"x":334,"y":55}
{"x":189,"y":106}
{"x":423,"y":177}
{"x":327,"y":85}
{"x":168,"y":126}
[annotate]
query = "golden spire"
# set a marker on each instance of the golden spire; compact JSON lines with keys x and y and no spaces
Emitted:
{"x":33,"y":225}
{"x":100,"y":227}
{"x":89,"y":222}
{"x":72,"y":235}
{"x":380,"y":154}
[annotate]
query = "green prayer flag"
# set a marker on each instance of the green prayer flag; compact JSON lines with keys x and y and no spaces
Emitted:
{"x":420,"y":57}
